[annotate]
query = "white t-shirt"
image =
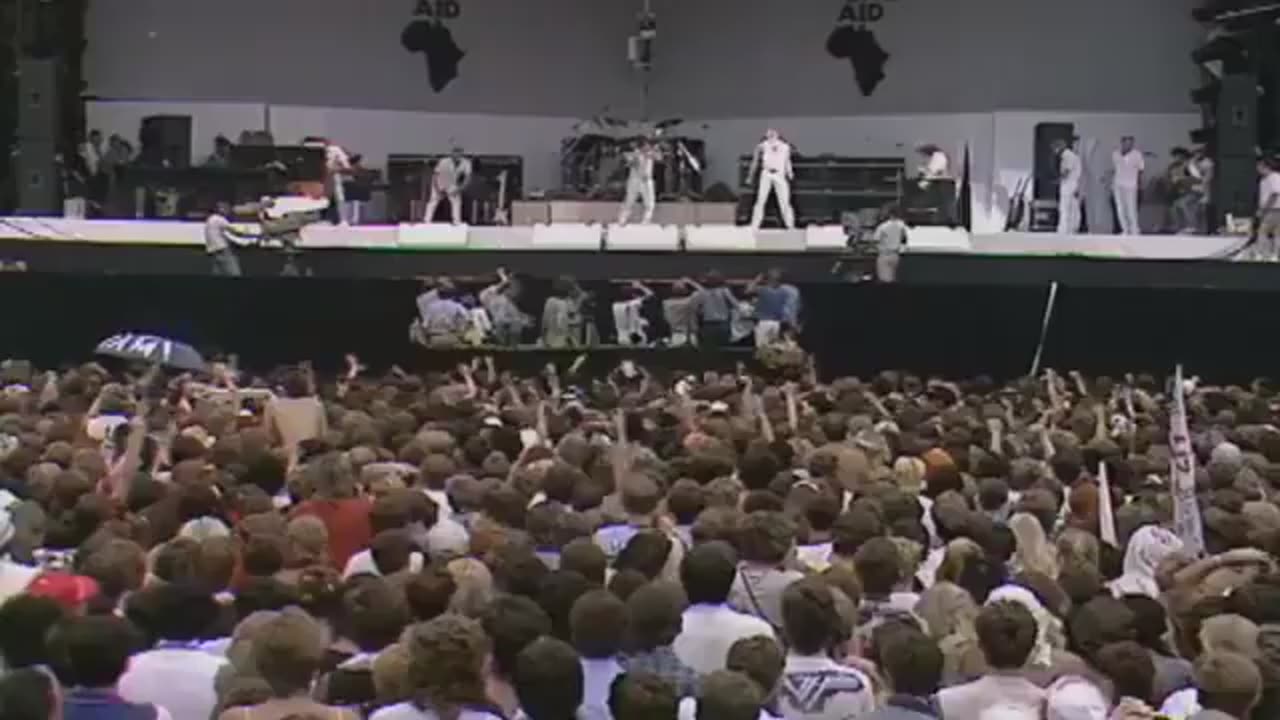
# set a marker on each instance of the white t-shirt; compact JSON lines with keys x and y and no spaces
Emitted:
{"x":1268,"y":188}
{"x":216,"y":233}
{"x":707,"y":633}
{"x":362,"y":564}
{"x":640,"y":164}
{"x":178,"y":679}
{"x":1069,"y":168}
{"x":819,"y":688}
{"x":451,"y":174}
{"x":775,"y":156}
{"x":335,"y":158}
{"x":1128,"y":167}
{"x":936,"y":166}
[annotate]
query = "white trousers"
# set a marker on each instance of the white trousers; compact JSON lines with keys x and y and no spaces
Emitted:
{"x":455,"y":206}
{"x":767,"y":332}
{"x":638,"y":190}
{"x":1126,"y":199}
{"x":1068,"y":209}
{"x":773,"y":182}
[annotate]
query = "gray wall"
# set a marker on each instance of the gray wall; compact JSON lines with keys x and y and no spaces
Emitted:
{"x":716,"y":58}
{"x":735,"y":58}
{"x":537,"y":57}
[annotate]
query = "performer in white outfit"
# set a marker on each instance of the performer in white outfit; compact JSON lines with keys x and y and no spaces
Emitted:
{"x":337,"y":168}
{"x":451,"y":175}
{"x":773,"y":158}
{"x":1127,"y":166}
{"x":1070,"y":170}
{"x":640,"y":162}
{"x":934,"y":164}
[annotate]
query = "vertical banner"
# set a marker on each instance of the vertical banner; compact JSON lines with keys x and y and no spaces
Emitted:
{"x":1106,"y":516}
{"x":1182,"y":473}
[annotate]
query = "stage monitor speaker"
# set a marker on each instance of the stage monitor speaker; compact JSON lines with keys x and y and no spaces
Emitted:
{"x":166,"y":141}
{"x":38,"y":100}
{"x":1236,"y":120}
{"x":1235,"y":186}
{"x":1046,"y":163}
{"x":36,"y":171}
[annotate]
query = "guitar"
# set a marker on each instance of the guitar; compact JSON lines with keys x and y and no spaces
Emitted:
{"x":500,"y":214}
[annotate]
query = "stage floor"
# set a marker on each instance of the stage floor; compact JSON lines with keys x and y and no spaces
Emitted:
{"x":936,"y":256}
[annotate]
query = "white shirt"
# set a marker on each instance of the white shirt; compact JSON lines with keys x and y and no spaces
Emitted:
{"x":15,"y":578}
{"x":335,"y":158}
{"x":1269,"y":190}
{"x":409,"y":711}
{"x":775,"y":156}
{"x":640,"y":164}
{"x":707,"y":633}
{"x":217,"y":235}
{"x":1128,"y":168}
{"x":597,"y":681}
{"x":179,"y":679}
{"x":451,"y":174}
{"x":689,"y":710}
{"x":362,"y":564}
{"x":936,"y":166}
{"x":968,"y":701}
{"x":1069,"y":168}
{"x":92,"y":157}
{"x":815,"y":557}
{"x":815,"y":687}
{"x":1182,"y":704}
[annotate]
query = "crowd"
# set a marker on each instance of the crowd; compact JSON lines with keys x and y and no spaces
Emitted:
{"x":708,"y":313}
{"x":477,"y":546}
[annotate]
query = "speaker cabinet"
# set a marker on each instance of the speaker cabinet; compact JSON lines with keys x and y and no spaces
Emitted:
{"x":1046,"y":163}
{"x":38,"y":99}
{"x":36,"y":172}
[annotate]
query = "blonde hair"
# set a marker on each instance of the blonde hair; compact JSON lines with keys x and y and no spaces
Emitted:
{"x":1229,"y":633}
{"x":1033,"y":552}
{"x":475,"y":586}
{"x":908,"y":474}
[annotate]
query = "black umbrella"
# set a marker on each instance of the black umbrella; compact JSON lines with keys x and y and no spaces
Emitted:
{"x":151,"y":349}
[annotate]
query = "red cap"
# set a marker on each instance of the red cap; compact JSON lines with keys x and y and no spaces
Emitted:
{"x":69,"y":591}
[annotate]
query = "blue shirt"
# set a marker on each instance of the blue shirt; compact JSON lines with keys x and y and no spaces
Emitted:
{"x":771,"y":303}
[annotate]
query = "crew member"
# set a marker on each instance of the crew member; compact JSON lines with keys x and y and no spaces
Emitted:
{"x":1127,"y":166}
{"x":451,"y":175}
{"x":773,"y":158}
{"x":890,"y":236}
{"x":1069,"y":171}
{"x":640,"y":182}
{"x":220,"y":238}
{"x":1268,"y":221}
{"x":337,"y":167}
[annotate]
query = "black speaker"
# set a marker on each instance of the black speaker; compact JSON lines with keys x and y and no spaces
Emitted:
{"x":166,"y":141}
{"x":1236,"y":119}
{"x":1235,"y":186}
{"x":36,"y":172}
{"x":1046,"y":163}
{"x":38,"y":100}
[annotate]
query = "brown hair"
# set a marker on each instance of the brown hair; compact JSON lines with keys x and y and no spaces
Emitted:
{"x":288,"y":651}
{"x":446,"y":664}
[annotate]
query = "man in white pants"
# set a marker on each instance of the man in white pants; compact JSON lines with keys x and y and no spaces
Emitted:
{"x":1070,"y":170}
{"x":451,"y":175}
{"x":773,"y":158}
{"x":1127,"y":166}
{"x":337,"y":165}
{"x":640,"y":162}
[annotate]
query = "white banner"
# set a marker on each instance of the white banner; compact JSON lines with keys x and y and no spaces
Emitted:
{"x":1106,"y":516}
{"x":1182,"y":473}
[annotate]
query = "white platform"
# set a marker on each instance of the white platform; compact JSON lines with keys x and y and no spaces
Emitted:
{"x":642,"y":237}
{"x":654,"y":238}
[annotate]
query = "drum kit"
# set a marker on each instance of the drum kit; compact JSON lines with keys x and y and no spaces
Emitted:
{"x":593,"y":159}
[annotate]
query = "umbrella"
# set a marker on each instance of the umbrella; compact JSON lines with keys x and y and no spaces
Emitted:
{"x":151,"y":349}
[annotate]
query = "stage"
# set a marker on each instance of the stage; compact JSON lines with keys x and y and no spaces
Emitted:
{"x":593,"y":253}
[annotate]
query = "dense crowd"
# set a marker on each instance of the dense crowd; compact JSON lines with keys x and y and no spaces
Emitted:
{"x":639,"y":546}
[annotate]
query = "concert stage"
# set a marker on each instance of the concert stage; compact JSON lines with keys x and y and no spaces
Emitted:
{"x":592,"y":253}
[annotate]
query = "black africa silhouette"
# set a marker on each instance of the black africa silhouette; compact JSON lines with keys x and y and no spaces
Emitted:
{"x":860,"y":47}
{"x":435,"y":42}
